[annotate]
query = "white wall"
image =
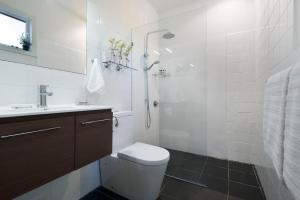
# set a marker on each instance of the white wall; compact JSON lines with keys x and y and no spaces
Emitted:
{"x":50,"y":47}
{"x":276,"y":49}
{"x":225,"y":18}
{"x":19,"y":84}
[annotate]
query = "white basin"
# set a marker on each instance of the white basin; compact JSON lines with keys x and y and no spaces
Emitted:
{"x":16,"y":111}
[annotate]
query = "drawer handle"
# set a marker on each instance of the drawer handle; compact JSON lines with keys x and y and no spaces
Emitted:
{"x":94,"y":122}
{"x":30,"y":132}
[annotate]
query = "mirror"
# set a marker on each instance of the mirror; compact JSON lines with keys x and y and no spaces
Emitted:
{"x":48,"y":33}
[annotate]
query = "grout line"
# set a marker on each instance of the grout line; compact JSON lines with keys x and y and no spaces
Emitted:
{"x":245,"y":184}
{"x":202,"y":171}
{"x":163,"y":186}
{"x":257,"y":179}
{"x":259,"y":183}
{"x":227,"y":179}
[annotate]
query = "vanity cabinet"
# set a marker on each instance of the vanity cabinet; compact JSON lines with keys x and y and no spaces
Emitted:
{"x":93,"y":137}
{"x":37,"y":149}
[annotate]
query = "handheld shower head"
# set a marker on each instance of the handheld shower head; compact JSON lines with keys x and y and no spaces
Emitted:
{"x":154,"y":63}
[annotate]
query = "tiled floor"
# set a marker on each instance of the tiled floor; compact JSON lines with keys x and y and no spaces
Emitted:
{"x":225,"y":180}
{"x":102,"y":194}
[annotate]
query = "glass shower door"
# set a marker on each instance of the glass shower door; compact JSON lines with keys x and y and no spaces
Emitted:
{"x":181,"y":87}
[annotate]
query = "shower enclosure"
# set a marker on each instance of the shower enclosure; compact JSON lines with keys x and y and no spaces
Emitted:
{"x":203,"y":80}
{"x":176,"y":62}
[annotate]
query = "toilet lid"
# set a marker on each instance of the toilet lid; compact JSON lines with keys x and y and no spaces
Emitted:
{"x":145,"y":154}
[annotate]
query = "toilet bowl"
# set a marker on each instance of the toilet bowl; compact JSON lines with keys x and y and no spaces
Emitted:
{"x":135,"y":172}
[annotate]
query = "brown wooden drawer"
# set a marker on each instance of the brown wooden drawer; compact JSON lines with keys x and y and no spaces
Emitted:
{"x":93,"y":137}
{"x":34,"y":151}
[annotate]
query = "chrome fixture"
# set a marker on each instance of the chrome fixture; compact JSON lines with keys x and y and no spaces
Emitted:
{"x":30,"y":132}
{"x":119,"y":66}
{"x":167,"y":35}
{"x":155,"y":103}
{"x":117,"y":121}
{"x":43,"y":96}
{"x":154,"y":63}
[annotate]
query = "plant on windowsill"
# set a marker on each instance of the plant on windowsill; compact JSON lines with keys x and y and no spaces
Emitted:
{"x":25,"y":41}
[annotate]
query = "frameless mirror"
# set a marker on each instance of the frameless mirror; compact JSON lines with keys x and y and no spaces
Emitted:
{"x":50,"y":33}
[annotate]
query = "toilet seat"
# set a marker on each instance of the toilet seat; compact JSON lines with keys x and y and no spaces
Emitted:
{"x":145,"y":154}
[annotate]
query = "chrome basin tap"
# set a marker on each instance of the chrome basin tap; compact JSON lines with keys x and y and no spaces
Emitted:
{"x":43,"y":96}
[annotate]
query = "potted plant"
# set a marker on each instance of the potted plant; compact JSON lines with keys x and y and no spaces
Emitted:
{"x":25,"y":41}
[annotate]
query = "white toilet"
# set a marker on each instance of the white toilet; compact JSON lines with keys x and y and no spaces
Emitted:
{"x":134,"y":171}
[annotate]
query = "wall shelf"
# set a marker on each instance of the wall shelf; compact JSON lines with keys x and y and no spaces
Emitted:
{"x":119,"y":66}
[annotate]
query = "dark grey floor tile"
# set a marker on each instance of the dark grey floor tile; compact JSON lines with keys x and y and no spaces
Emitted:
{"x":194,"y":156}
{"x":183,"y":174}
{"x":187,"y":161}
{"x":240,"y":191}
{"x":176,"y":157}
{"x":96,"y":195}
{"x":215,"y":184}
{"x":194,"y":164}
{"x":242,"y":167}
{"x":217,"y":162}
{"x":215,"y":171}
{"x":248,"y":178}
{"x":177,"y":190}
{"x":110,"y":194}
{"x":234,"y":198}
{"x":165,"y":197}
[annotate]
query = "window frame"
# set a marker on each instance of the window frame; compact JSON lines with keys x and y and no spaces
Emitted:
{"x":21,"y":17}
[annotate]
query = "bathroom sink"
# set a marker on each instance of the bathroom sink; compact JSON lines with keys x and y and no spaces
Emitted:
{"x":26,"y":110}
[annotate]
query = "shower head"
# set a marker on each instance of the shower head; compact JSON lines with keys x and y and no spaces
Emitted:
{"x":154,"y":63}
{"x":168,"y":35}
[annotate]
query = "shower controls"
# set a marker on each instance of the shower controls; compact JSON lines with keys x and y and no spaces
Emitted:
{"x":155,"y":103}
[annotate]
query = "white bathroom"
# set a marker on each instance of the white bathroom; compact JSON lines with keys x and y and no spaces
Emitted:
{"x":150,"y":100}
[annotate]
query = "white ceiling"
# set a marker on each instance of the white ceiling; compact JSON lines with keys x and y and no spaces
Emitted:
{"x":162,"y":6}
{"x":78,"y":7}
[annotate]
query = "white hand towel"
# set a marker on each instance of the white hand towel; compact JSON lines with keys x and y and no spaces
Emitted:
{"x":291,"y":164}
{"x":95,"y":80}
{"x":274,"y":116}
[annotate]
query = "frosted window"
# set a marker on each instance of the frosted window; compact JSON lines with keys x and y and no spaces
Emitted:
{"x":11,"y":30}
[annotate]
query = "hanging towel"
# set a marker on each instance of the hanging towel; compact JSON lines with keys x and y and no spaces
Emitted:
{"x":273,"y":118}
{"x":95,"y":80}
{"x":291,"y":164}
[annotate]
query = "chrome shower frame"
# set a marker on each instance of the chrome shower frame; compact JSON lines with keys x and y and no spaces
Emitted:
{"x":146,"y":69}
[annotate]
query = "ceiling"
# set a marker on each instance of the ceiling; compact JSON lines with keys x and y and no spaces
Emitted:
{"x":77,"y":7}
{"x":162,"y":6}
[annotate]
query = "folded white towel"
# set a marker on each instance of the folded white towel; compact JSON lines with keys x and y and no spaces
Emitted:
{"x":291,"y":164}
{"x":274,"y":116}
{"x":95,"y":80}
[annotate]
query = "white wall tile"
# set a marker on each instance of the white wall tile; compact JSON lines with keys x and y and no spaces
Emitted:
{"x":281,"y":49}
{"x":19,"y":84}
